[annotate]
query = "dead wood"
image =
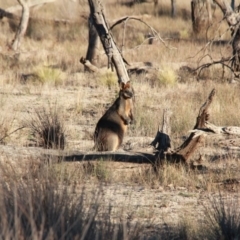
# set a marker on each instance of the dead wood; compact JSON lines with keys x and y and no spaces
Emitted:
{"x":32,"y":3}
{"x":88,"y":65}
{"x":162,"y":141}
{"x":154,"y":33}
{"x":233,"y":21}
{"x":93,"y":45}
{"x":23,"y":24}
{"x":131,"y":157}
{"x":224,"y":62}
{"x":114,"y":56}
{"x":210,"y":129}
{"x":201,"y":15}
{"x":187,"y":149}
{"x":25,"y":5}
{"x":141,"y":67}
{"x":4,"y":13}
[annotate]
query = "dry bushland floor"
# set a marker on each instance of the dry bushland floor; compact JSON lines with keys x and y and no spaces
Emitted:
{"x":80,"y":99}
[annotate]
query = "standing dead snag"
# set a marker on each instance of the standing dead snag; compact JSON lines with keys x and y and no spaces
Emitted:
{"x":93,"y":42}
{"x":186,"y":150}
{"x":114,"y":56}
{"x":25,"y":4}
{"x":23,"y":24}
{"x":162,"y":141}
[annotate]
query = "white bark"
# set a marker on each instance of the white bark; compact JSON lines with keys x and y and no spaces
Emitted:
{"x":31,"y":3}
{"x":23,"y":24}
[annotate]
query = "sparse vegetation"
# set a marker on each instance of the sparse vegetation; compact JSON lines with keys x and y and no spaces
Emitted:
{"x":49,"y":75}
{"x":166,"y":77}
{"x":108,"y":199}
{"x":47,"y":128}
{"x":108,"y":79}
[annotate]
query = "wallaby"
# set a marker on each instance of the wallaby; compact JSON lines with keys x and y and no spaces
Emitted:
{"x":112,"y":126}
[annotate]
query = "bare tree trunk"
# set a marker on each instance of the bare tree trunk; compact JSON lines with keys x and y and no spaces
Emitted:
{"x":233,"y":4}
{"x":93,"y":44}
{"x":195,"y":24}
{"x":114,"y":56}
{"x":233,"y":20}
{"x":23,"y":24}
{"x":209,"y":10}
{"x":173,"y":8}
{"x":201,"y":15}
{"x":155,"y":7}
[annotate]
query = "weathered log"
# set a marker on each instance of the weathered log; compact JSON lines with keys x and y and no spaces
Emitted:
{"x":114,"y":56}
{"x":88,"y":65}
{"x":142,"y":67}
{"x":186,"y":150}
{"x":213,"y":129}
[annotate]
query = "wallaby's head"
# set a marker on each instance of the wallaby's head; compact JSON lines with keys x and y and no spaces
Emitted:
{"x":126,"y":91}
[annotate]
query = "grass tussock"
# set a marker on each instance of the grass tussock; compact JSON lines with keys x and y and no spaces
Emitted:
{"x":166,"y":77}
{"x":47,"y":128}
{"x":222,"y":217}
{"x":40,"y":204}
{"x":49,"y":75}
{"x":108,"y":79}
{"x":40,"y":207}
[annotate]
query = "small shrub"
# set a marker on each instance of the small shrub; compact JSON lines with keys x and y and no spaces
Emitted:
{"x":49,"y":75}
{"x":166,"y":77}
{"x":108,"y":79}
{"x":43,"y":208}
{"x":222,"y":218}
{"x":47,"y":128}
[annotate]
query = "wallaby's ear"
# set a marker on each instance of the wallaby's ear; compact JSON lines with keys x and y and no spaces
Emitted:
{"x":122,"y":85}
{"x":127,"y":85}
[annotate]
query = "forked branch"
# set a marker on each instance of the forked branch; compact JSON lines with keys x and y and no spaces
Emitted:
{"x":114,"y":56}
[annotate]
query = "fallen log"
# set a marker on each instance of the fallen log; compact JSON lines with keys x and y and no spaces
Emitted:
{"x":187,"y":149}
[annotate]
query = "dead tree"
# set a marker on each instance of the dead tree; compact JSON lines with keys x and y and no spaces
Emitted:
{"x":25,"y":4}
{"x":173,"y":8}
{"x":233,"y":20}
{"x":23,"y":24}
{"x":201,"y":15}
{"x":186,"y":150}
{"x":231,"y":62}
{"x":114,"y":56}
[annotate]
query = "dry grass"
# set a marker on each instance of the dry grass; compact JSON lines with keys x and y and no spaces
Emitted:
{"x":47,"y":70}
{"x":47,"y":128}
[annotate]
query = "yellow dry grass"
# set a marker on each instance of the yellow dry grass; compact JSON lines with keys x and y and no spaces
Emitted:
{"x":51,"y":53}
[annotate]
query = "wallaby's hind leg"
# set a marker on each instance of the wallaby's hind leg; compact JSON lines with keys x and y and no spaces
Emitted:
{"x":112,"y":143}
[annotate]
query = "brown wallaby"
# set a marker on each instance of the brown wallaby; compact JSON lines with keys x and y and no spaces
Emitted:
{"x":112,"y":125}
